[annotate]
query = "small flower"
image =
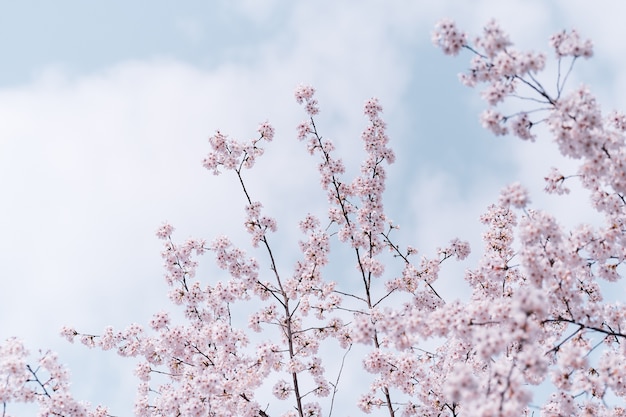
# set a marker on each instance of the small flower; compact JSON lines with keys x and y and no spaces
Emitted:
{"x":267,"y":131}
{"x":304,"y":94}
{"x":282,"y":390}
{"x":514,"y":195}
{"x":165,"y":231}
{"x":494,"y":121}
{"x":554,"y":182}
{"x":448,"y":37}
{"x":521,"y":127}
{"x":68,"y":333}
{"x":570,"y":44}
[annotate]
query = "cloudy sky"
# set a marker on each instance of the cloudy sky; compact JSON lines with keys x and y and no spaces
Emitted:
{"x":106,"y":107}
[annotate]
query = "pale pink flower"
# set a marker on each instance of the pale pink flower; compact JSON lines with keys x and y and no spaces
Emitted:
{"x":304,"y":94}
{"x":69,"y":333}
{"x":159,"y":320}
{"x":142,"y":371}
{"x":555,"y":181}
{"x":521,"y":125}
{"x":165,"y":231}
{"x":282,"y":390}
{"x":498,"y":91}
{"x":494,"y":121}
{"x":570,"y":44}
{"x":448,"y":37}
{"x":266,"y":131}
{"x":494,"y":39}
{"x":514,"y":195}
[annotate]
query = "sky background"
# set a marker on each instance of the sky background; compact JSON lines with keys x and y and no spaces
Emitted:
{"x":106,"y":107}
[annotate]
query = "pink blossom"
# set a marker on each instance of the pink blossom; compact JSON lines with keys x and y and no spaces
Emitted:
{"x":555,"y":181}
{"x":460,"y":248}
{"x":266,"y":131}
{"x":68,"y":333}
{"x":282,"y":390}
{"x":514,"y":195}
{"x":498,"y":91}
{"x":521,"y":125}
{"x":142,"y":370}
{"x":165,"y":231}
{"x":494,"y":121}
{"x":159,"y":321}
{"x":304,"y":94}
{"x":448,"y":37}
{"x":494,"y":39}
{"x":570,"y":44}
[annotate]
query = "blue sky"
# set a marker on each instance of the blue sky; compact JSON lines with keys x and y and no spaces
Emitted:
{"x":105,"y":109}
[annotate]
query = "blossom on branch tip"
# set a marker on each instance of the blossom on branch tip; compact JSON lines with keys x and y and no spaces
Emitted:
{"x":494,"y":40}
{"x":570,"y":44}
{"x":494,"y":121}
{"x":514,"y":195}
{"x":304,"y":94}
{"x":498,"y":91}
{"x":282,"y":390}
{"x":266,"y":131}
{"x":165,"y":231}
{"x":554,"y":182}
{"x":461,"y":249}
{"x":69,"y":333}
{"x":521,"y":126}
{"x":448,"y":37}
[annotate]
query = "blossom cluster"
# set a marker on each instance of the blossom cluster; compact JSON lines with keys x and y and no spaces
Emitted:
{"x":538,"y":313}
{"x":535,"y":314}
{"x":46,"y":383}
{"x":232,"y":154}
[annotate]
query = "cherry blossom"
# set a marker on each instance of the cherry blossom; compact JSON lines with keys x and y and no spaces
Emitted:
{"x":536,"y":316}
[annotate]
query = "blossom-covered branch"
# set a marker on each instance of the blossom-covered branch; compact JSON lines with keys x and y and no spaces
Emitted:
{"x":535,"y":315}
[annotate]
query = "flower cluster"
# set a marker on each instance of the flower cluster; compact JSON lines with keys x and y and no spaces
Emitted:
{"x":47,"y":383}
{"x":535,"y":314}
{"x":540,"y":319}
{"x":570,"y":44}
{"x":448,"y":37}
{"x":304,"y":94}
{"x":235,"y":155}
